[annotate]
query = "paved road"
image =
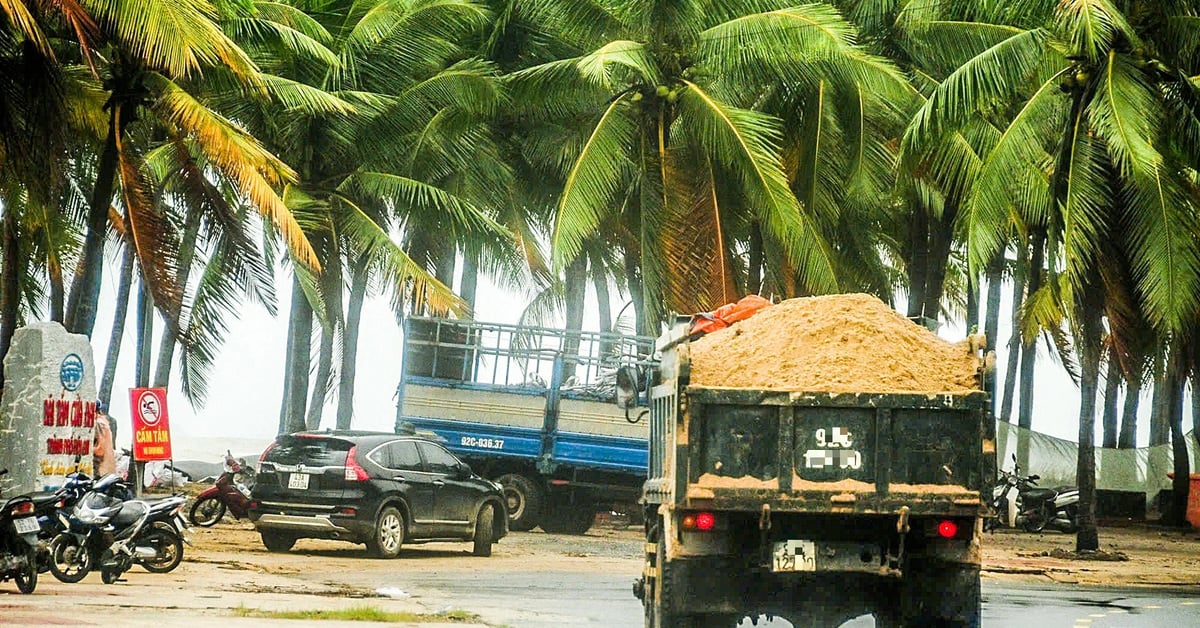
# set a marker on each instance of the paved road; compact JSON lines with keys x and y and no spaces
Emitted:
{"x":557,"y":599}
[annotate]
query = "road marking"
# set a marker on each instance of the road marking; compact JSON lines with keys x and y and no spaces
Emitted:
{"x":1117,"y":611}
{"x":1152,"y":606}
{"x":1188,"y":603}
{"x":1097,"y":615}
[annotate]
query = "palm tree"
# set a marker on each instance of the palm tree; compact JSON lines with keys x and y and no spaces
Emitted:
{"x":149,"y":62}
{"x":675,"y":144}
{"x":1101,"y":100}
{"x":379,"y":111}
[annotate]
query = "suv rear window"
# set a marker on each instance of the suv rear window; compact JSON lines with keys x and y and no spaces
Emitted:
{"x":313,"y":452}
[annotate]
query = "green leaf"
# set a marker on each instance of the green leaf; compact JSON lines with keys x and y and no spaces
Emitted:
{"x":746,"y":143}
{"x":600,"y":171}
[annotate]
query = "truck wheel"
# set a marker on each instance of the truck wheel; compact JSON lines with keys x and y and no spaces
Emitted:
{"x":524,"y":499}
{"x":942,"y":594}
{"x":485,"y":531}
{"x":574,"y":519}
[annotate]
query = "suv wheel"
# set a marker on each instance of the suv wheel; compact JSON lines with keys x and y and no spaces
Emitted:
{"x":278,"y":541}
{"x":485,"y":531}
{"x":389,"y":534}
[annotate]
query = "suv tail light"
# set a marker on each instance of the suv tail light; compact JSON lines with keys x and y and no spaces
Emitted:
{"x":267,"y":451}
{"x":354,"y":471}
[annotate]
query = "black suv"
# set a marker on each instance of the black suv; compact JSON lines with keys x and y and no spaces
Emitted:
{"x":372,"y":487}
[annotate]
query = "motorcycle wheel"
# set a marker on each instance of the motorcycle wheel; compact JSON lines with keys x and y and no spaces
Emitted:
{"x":168,"y":548}
{"x":69,"y":561}
{"x":28,"y":576}
{"x":207,"y":512}
{"x":1034,"y":521}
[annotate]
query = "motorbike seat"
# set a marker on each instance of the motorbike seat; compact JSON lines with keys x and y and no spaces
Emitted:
{"x":41,"y":498}
{"x":129,"y":513}
{"x":1038,"y":494}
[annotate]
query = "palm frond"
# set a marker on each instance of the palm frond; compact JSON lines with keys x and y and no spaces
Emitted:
{"x":990,"y":77}
{"x":1021,"y":146}
{"x":746,"y":142}
{"x":412,"y":196}
{"x":1093,"y":26}
{"x":179,"y":37}
{"x":597,"y":67}
{"x":399,"y":272}
{"x":240,"y":157}
{"x":594,"y":180}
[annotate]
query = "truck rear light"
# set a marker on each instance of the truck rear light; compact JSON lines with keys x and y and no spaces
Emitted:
{"x":947,"y":529}
{"x":354,"y":471}
{"x":699,"y":521}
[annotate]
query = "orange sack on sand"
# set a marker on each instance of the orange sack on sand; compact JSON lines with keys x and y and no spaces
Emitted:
{"x":727,"y":315}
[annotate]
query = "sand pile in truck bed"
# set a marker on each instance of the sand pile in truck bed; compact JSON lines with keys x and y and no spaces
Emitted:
{"x":837,"y":343}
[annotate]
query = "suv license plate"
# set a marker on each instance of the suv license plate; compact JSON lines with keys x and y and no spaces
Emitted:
{"x":25,"y":525}
{"x":794,"y":556}
{"x":298,"y":480}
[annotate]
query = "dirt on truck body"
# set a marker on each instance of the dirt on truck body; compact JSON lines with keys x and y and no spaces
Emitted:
{"x":822,"y":459}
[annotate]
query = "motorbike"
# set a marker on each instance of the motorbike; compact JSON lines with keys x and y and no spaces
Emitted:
{"x":48,"y":505}
{"x":1004,"y":502}
{"x":225,"y":494}
{"x":18,"y":542}
{"x":111,"y":533}
{"x":1036,"y":508}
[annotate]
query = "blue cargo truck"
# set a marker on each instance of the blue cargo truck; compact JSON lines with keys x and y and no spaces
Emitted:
{"x":534,"y":409}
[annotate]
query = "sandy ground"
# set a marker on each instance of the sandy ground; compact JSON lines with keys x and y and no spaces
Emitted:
{"x":227,"y":568}
{"x":1133,"y":554}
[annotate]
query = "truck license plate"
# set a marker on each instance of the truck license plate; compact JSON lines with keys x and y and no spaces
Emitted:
{"x":25,"y":525}
{"x":794,"y":555}
{"x":298,"y":480}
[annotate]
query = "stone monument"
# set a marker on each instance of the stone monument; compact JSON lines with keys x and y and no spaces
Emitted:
{"x":48,"y":411}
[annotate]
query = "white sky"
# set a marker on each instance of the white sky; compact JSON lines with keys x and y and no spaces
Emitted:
{"x":242,"y":409}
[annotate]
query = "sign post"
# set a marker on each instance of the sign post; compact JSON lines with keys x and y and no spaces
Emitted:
{"x":151,"y":428}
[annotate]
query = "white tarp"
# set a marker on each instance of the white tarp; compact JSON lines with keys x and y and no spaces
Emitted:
{"x":1142,"y":470}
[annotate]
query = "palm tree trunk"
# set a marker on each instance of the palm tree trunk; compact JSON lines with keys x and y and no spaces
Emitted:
{"x":973,"y":304}
{"x":918,"y":262}
{"x":995,"y":279}
{"x":1014,"y":342}
{"x":1181,"y":484}
{"x":633,"y":283}
{"x":118,"y":327}
{"x":85,"y":289}
{"x":576,"y":293}
{"x":940,"y":238}
{"x":187,"y":254}
{"x":331,"y":287}
{"x":320,"y":388}
{"x":603,"y":306}
{"x":470,"y":280}
{"x":1160,"y":429}
{"x":348,"y":370}
{"x":1087,"y":539}
{"x":10,"y":285}
{"x":1029,"y":349}
{"x":299,"y":344}
{"x":1133,"y":396}
{"x":145,"y":334}
{"x":754,"y":282}
{"x":1112,"y":390}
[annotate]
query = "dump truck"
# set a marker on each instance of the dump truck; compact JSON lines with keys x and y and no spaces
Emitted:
{"x":532,"y":408}
{"x":816,"y":506}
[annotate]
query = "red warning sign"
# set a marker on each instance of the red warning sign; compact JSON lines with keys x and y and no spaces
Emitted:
{"x":151,"y":429}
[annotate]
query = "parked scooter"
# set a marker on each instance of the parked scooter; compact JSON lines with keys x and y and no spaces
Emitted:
{"x":18,"y":542}
{"x":227,"y":493}
{"x":1005,"y":497}
{"x":1037,"y":508}
{"x":47,"y":509}
{"x":111,"y":534}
